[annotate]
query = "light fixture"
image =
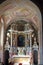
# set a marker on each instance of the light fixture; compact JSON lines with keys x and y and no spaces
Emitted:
{"x":8,"y":34}
{"x":33,"y":35}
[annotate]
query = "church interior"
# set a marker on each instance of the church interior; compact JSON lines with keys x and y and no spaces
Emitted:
{"x":20,"y":33}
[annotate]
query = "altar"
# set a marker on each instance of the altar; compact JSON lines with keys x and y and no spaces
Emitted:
{"x":24,"y":60}
{"x":19,"y":43}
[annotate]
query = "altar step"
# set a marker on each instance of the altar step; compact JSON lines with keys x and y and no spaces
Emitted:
{"x":23,"y":64}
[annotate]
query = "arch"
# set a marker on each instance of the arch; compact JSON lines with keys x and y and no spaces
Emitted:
{"x":13,"y":10}
{"x":30,"y":22}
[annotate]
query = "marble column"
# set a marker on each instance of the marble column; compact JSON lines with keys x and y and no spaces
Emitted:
{"x":16,"y":39}
{"x":25,"y":39}
{"x":40,"y":46}
{"x":40,"y":42}
{"x":11,"y":37}
{"x":2,"y":38}
{"x":25,"y":34}
{"x":30,"y":42}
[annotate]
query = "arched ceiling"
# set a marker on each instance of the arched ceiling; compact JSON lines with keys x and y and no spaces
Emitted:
{"x":20,"y":9}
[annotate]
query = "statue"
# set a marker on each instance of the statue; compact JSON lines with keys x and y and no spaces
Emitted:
{"x":7,"y":46}
{"x":35,"y":46}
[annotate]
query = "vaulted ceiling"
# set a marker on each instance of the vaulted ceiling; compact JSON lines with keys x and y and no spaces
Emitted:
{"x":39,"y":3}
